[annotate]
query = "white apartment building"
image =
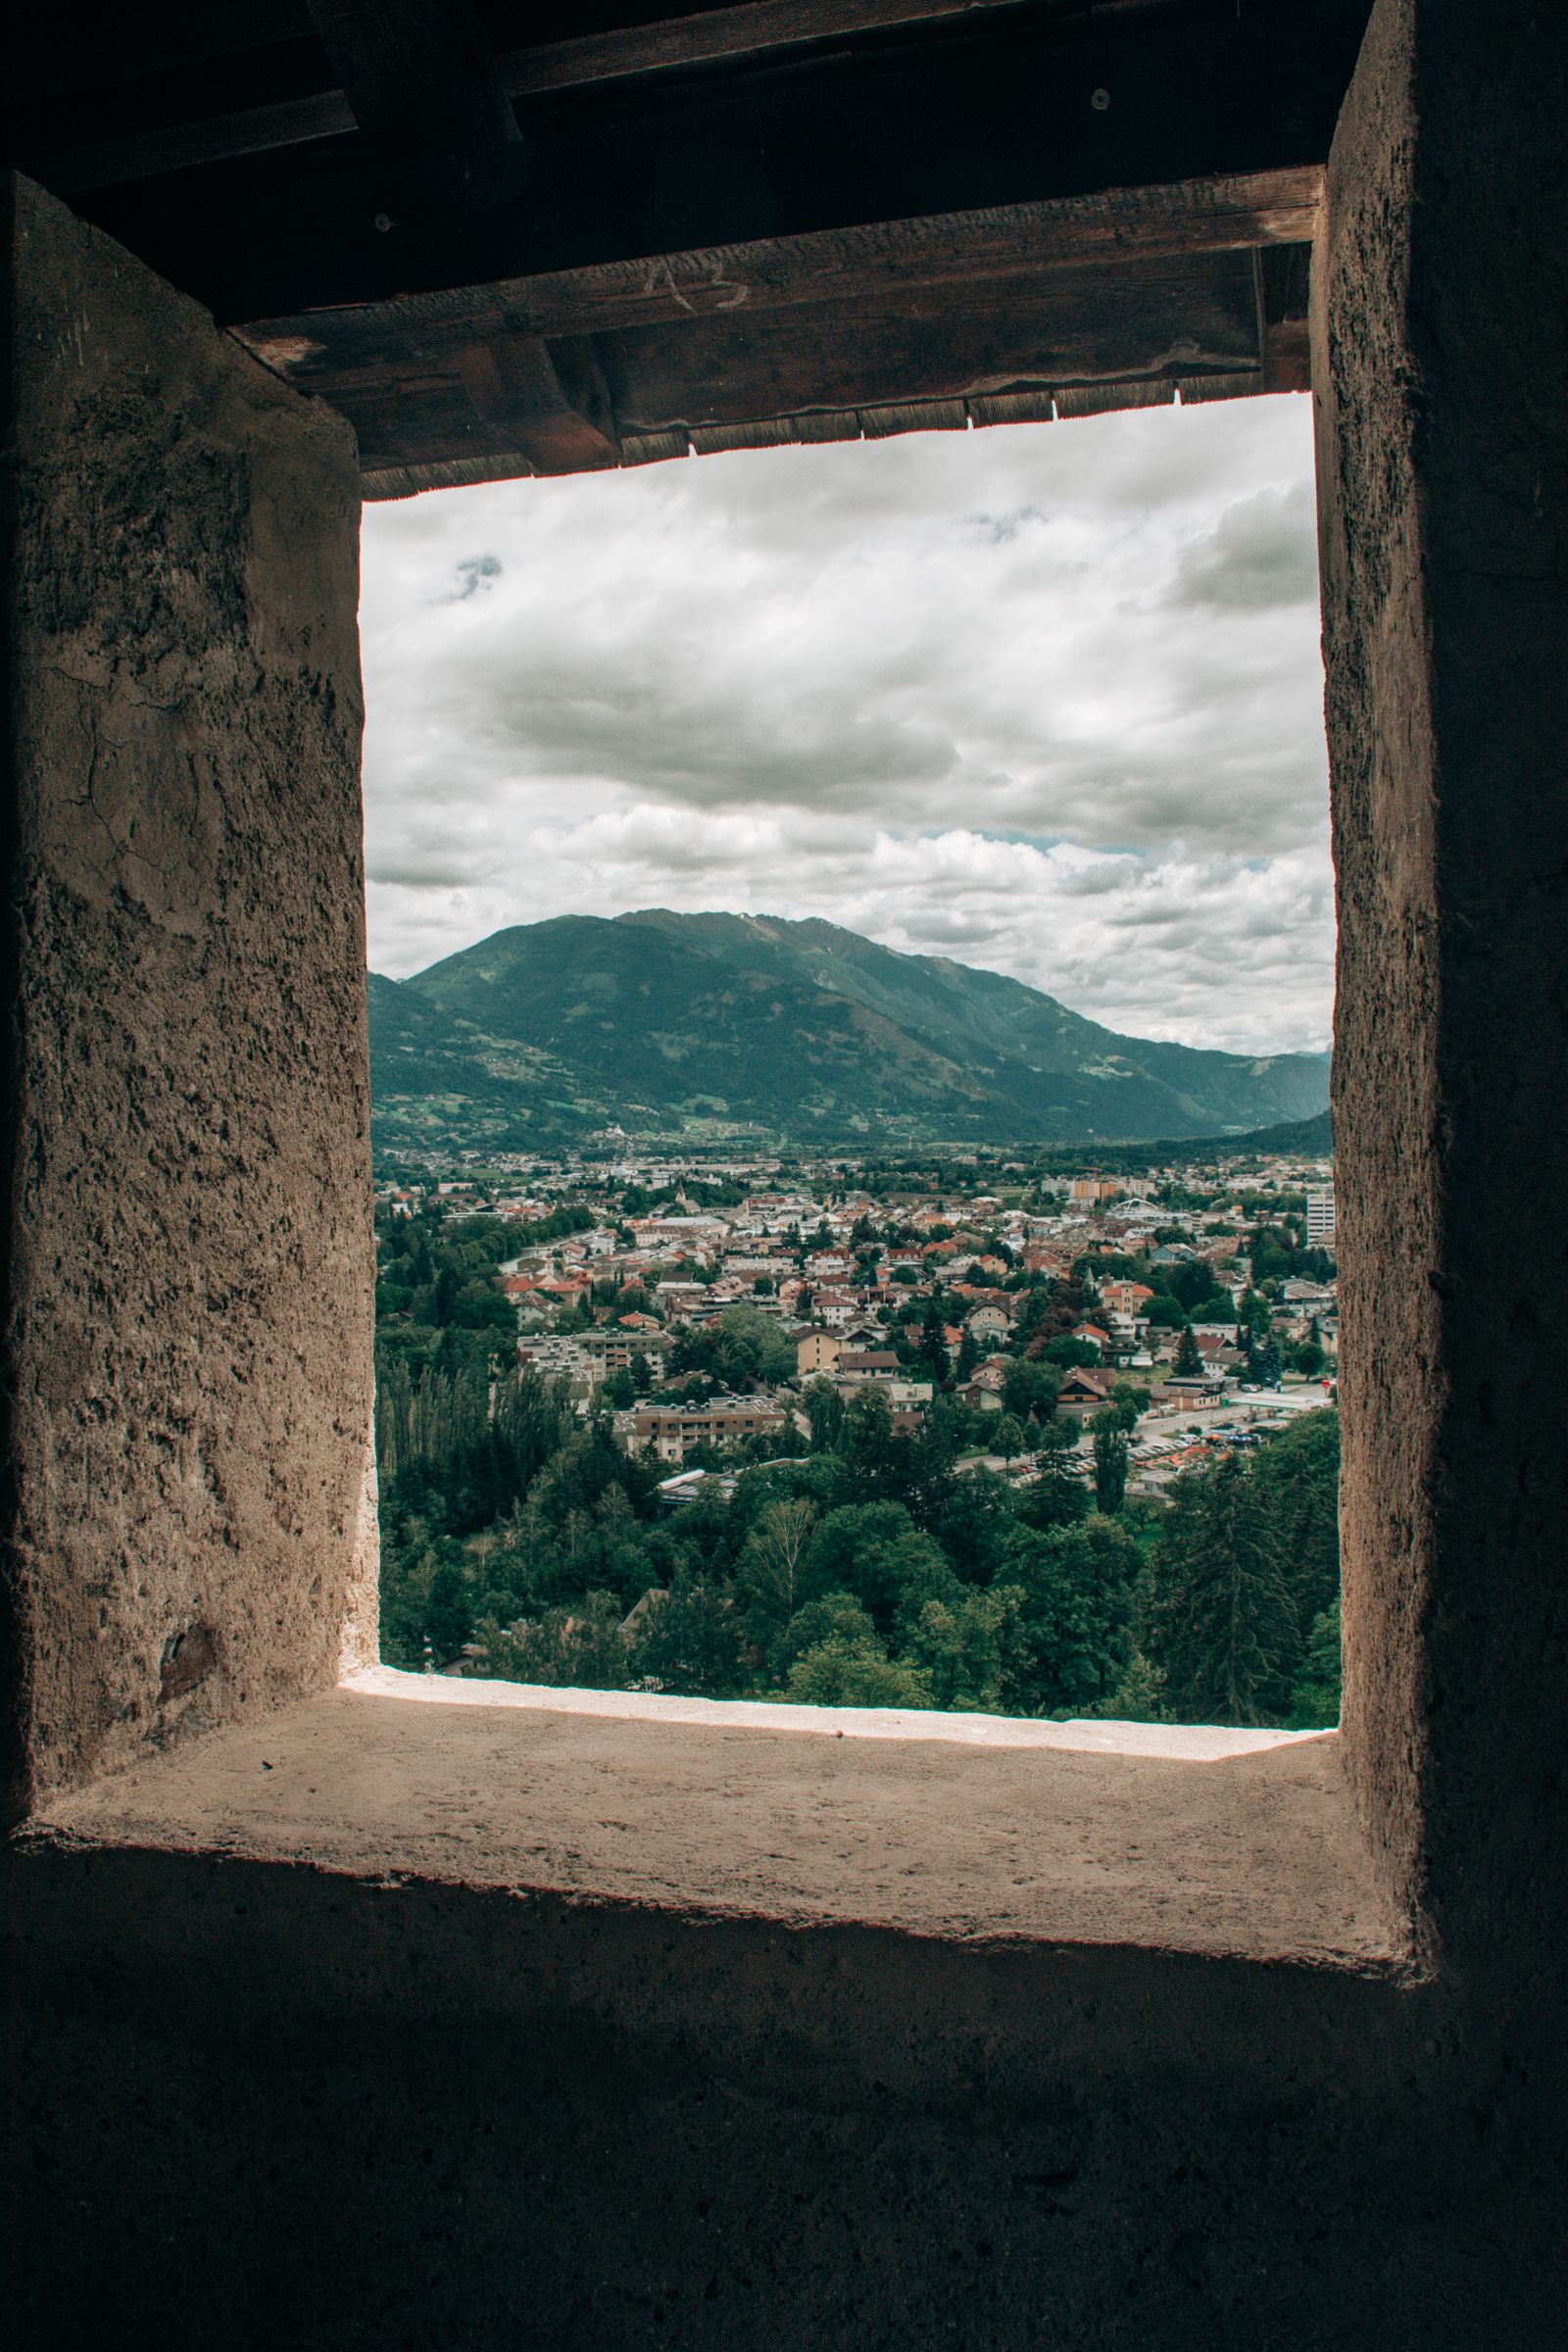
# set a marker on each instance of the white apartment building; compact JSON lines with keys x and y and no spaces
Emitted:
{"x":1320,"y":1216}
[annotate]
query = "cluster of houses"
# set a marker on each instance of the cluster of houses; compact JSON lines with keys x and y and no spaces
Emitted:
{"x":836,"y":1271}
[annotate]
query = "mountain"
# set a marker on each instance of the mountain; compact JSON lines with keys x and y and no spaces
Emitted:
{"x":710,"y":1026}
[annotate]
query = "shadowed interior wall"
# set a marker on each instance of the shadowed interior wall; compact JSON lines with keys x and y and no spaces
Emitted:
{"x":187,"y":1337}
{"x":1441,"y":368}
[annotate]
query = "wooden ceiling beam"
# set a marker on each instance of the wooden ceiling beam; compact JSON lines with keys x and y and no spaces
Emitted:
{"x":835,"y":268}
{"x":368,"y":45}
{"x":1143,"y":330}
{"x":419,"y":74}
{"x":908,"y":109}
{"x":731,"y":35}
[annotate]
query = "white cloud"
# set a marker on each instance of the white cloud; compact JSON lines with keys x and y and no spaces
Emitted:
{"x":1044,"y":698}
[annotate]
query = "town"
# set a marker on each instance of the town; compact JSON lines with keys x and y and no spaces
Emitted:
{"x":617,"y":1395}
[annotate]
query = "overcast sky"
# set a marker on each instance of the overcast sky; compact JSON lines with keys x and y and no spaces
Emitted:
{"x":1046,"y":699}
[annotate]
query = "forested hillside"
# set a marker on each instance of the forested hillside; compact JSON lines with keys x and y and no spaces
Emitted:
{"x":705,"y":1024}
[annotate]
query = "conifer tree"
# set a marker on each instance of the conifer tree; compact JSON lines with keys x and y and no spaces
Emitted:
{"x":1110,"y":1465}
{"x":1221,"y":1623}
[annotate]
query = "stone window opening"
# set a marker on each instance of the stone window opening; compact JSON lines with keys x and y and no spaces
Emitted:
{"x":412,"y":553}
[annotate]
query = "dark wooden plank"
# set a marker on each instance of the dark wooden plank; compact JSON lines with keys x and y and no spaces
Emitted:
{"x":1145,"y":324}
{"x":900,"y":260}
{"x":370,"y":45}
{"x":419,"y":74}
{"x":941,"y":119}
{"x":452,"y":474}
{"x":186,"y":146}
{"x":724,"y":35}
{"x":1081,"y":326}
{"x":833,"y":424}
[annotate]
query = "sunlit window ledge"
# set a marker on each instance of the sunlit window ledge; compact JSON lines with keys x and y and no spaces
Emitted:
{"x":959,"y":1829}
{"x":1192,"y":1743}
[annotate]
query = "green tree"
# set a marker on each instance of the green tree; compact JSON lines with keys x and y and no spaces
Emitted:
{"x":969,"y":1648}
{"x":1128,"y":1402}
{"x":1252,"y":1317}
{"x":873,"y":1551}
{"x":839,"y":1673}
{"x":1189,"y":1355}
{"x":1316,"y":1699}
{"x":1029,"y":1388}
{"x":1066,"y":1351}
{"x":824,"y":1410}
{"x":973,"y":1522}
{"x":1007,"y":1438}
{"x":752,"y":1347}
{"x":1057,"y":1497}
{"x":1162,"y":1312}
{"x":1220,"y":1623}
{"x":866,"y":1441}
{"x":771,"y":1576}
{"x":1077,"y":1584}
{"x":581,"y":1647}
{"x":1298,"y":1473}
{"x":1111,"y":1464}
{"x":448,"y":1622}
{"x":932,"y":1352}
{"x":689,"y":1641}
{"x":1139,"y":1698}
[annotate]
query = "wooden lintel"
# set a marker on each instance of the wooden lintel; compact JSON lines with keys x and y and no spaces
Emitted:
{"x":832,"y":269}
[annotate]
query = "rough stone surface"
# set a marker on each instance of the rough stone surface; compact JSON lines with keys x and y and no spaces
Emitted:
{"x":1256,"y":1856}
{"x":1441,"y":367}
{"x":187,"y":1326}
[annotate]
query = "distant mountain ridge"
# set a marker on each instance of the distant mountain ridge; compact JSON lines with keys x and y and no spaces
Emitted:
{"x":715,"y":1025}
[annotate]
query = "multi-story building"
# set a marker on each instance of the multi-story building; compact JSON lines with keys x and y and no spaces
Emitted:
{"x":816,"y":1352}
{"x":612,"y":1348}
{"x":671,"y":1430}
{"x":1320,"y":1216}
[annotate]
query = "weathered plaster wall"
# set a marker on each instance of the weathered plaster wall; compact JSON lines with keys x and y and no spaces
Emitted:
{"x":187,"y":1330}
{"x":1440,"y":366}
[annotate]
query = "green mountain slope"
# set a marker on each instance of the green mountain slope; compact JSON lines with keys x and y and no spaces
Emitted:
{"x":717,"y":1024}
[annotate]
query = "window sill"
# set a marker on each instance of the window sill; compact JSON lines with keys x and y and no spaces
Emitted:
{"x":1017,"y":1832}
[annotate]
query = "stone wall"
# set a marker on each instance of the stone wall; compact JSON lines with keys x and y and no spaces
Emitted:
{"x":1441,"y":368}
{"x":186,"y":1173}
